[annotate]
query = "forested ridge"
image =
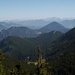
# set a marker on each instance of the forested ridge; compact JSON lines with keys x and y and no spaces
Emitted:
{"x":55,"y":58}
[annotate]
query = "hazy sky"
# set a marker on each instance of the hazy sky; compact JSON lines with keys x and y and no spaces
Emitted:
{"x":34,"y":9}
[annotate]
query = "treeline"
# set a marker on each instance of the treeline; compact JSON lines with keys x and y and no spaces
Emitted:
{"x":40,"y":67}
{"x":61,"y":65}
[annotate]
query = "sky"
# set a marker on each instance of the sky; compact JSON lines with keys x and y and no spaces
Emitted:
{"x":36,"y":9}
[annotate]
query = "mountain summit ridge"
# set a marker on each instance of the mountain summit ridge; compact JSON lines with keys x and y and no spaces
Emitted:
{"x":53,"y":26}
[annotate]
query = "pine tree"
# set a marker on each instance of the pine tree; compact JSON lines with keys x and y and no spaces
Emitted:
{"x":41,"y":67}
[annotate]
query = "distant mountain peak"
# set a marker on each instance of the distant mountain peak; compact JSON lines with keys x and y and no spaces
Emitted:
{"x":19,"y":32}
{"x":54,"y":26}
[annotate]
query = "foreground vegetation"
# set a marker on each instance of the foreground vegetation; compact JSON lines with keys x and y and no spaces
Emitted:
{"x":52,"y":66}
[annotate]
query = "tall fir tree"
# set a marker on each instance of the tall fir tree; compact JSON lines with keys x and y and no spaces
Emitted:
{"x":41,"y":66}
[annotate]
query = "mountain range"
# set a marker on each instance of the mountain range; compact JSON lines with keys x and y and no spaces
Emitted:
{"x":68,"y":23}
{"x":38,"y":23}
{"x":56,"y":42}
{"x":29,"y":33}
{"x":52,"y":43}
{"x":27,"y":47}
{"x":17,"y":31}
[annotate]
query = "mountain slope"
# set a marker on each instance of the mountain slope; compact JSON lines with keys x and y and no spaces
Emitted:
{"x":24,"y":47}
{"x":7,"y":25}
{"x":18,"y":48}
{"x":53,"y":26}
{"x":17,"y":31}
{"x":1,"y":25}
{"x":66,"y":42}
{"x":68,"y":23}
{"x":47,"y":38}
{"x":62,"y":54}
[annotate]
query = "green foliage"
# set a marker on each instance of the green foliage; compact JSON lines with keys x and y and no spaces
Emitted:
{"x":41,"y":68}
{"x":62,"y":54}
{"x":1,"y":65}
{"x":18,"y":48}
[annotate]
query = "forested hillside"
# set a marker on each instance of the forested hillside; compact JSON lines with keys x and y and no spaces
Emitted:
{"x":55,"y":56}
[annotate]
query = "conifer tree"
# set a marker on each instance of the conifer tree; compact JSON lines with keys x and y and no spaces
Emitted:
{"x":41,"y":67}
